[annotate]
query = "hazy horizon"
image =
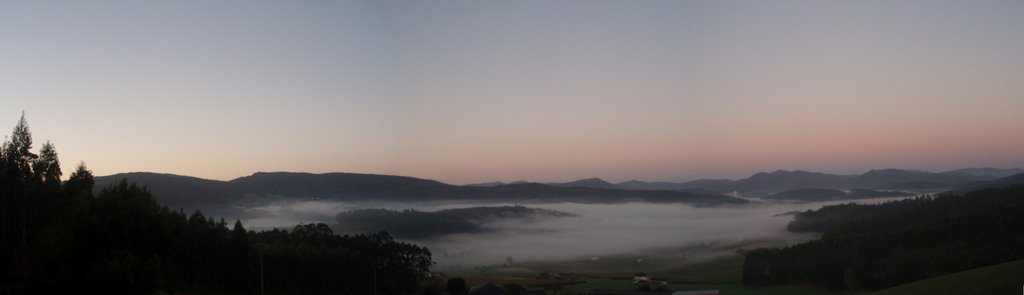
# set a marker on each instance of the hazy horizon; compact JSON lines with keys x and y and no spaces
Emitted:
{"x":478,"y":91}
{"x":611,"y":180}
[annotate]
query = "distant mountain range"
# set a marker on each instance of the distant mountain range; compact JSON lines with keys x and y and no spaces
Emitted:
{"x":588,"y":182}
{"x":1016,"y":179}
{"x":766,"y":183}
{"x":191,"y":193}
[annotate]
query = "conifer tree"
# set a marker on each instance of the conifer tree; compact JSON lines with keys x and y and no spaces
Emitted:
{"x":47,"y":167}
{"x":80,"y":183}
{"x":18,"y":154}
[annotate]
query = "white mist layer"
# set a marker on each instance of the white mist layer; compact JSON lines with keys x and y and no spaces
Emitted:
{"x":599,"y":229}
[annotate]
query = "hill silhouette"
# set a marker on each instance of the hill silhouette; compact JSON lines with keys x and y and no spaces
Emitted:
{"x":824,"y":194}
{"x":588,"y":182}
{"x":190,"y":193}
{"x":766,"y":183}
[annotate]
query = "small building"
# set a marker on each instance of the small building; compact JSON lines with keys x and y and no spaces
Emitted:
{"x":701,"y":292}
{"x":435,"y":274}
{"x":641,"y":278}
{"x":486,"y":289}
{"x":567,"y":276}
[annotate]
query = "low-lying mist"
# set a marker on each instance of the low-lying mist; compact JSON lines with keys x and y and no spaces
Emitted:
{"x":598,"y":229}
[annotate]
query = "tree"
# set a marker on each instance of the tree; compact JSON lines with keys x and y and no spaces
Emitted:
{"x":239,"y":253}
{"x":18,"y":154}
{"x":46,"y":168}
{"x":17,"y":163}
{"x":80,"y":183}
{"x":57,"y":239}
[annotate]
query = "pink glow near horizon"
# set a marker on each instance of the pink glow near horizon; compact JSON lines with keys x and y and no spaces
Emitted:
{"x":468,"y":92}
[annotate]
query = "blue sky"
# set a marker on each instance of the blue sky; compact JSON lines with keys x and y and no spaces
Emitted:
{"x":466,"y":91}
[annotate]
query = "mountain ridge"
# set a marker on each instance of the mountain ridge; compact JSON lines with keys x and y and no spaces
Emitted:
{"x":187,"y":192}
{"x":766,"y":183}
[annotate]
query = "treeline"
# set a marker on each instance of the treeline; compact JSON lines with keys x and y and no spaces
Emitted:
{"x":57,"y":237}
{"x":858,"y":218}
{"x":414,"y":224}
{"x":889,"y":244}
{"x":823,"y":194}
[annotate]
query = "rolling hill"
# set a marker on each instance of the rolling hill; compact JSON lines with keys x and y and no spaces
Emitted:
{"x":808,"y":194}
{"x":893,"y":243}
{"x":1016,"y":179}
{"x":190,"y":193}
{"x":588,"y":182}
{"x":996,"y":279}
{"x":823,"y":194}
{"x":765,"y":183}
{"x":342,"y":186}
{"x":991,"y":172}
{"x":176,"y":191}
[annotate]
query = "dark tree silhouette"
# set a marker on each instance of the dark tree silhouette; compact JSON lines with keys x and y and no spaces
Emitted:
{"x":46,"y":168}
{"x":61,"y":239}
{"x":80,"y":183}
{"x":18,"y":154}
{"x":457,"y":286}
{"x":884,"y":245}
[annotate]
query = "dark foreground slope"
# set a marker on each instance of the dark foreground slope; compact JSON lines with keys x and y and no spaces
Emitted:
{"x":885,"y":245}
{"x":1002,"y":278}
{"x":123,"y":242}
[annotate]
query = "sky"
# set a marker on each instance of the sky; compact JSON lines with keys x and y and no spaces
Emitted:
{"x":474,"y":91}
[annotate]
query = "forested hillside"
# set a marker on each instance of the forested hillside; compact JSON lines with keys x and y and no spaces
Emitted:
{"x":884,"y":245}
{"x":859,"y":218}
{"x":58,"y":237}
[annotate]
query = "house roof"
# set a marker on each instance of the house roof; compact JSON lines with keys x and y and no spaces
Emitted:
{"x":701,"y":292}
{"x":486,"y":289}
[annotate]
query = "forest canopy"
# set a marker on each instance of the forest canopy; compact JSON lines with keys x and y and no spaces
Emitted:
{"x":897,"y":242}
{"x":58,"y":237}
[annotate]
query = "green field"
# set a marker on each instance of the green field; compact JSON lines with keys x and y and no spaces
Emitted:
{"x":725,"y":270}
{"x":614,"y":273}
{"x":1006,"y":278}
{"x":724,"y":274}
{"x":713,"y":262}
{"x":725,"y":289}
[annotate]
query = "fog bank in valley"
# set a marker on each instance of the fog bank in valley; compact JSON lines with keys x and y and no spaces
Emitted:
{"x":599,"y":229}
